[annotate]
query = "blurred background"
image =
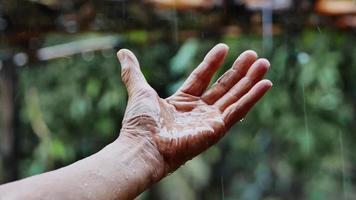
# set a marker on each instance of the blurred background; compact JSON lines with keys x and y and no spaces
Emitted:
{"x":62,"y":99}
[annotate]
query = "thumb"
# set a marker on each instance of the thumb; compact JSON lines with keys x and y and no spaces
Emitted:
{"x":130,"y":72}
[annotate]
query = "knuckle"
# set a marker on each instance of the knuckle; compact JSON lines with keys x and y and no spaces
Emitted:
{"x":247,"y":81}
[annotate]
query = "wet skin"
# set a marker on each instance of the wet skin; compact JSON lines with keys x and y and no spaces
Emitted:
{"x":158,"y":135}
{"x":195,"y":117}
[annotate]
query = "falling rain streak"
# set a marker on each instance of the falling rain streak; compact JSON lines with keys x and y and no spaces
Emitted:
{"x":222,"y":188}
{"x":175,"y":29}
{"x":307,"y":134}
{"x":267,"y":26}
{"x":342,"y":154}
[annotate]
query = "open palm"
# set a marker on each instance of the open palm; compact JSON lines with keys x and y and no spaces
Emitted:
{"x":194,"y":118}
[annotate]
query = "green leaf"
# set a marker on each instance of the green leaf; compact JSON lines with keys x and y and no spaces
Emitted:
{"x":184,"y":58}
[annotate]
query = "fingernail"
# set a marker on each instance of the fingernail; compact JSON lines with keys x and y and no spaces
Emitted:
{"x":121,"y":56}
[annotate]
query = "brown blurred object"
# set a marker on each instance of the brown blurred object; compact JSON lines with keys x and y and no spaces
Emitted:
{"x":273,"y":4}
{"x":49,"y":3}
{"x":185,"y":4}
{"x":346,"y":21}
{"x":344,"y":11}
{"x":333,"y":7}
{"x":56,"y":4}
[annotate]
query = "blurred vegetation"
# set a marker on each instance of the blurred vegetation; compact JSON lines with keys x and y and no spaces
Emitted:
{"x":297,"y":143}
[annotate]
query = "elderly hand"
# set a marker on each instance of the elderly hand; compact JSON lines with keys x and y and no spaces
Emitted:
{"x":158,"y":135}
{"x":194,"y":118}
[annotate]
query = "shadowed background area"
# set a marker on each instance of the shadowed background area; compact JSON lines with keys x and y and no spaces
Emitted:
{"x":62,"y":99}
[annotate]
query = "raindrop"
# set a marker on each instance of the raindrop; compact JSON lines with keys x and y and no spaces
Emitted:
{"x":241,"y":120}
{"x":70,"y":26}
{"x":20,"y":59}
{"x":88,"y":56}
{"x":108,"y":53}
{"x":303,"y":58}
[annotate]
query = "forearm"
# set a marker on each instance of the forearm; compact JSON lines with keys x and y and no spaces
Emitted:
{"x":121,"y":170}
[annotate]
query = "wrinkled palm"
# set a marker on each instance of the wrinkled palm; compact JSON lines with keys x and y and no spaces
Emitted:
{"x":185,"y":124}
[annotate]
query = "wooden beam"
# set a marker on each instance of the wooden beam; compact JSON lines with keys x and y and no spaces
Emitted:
{"x":341,"y":7}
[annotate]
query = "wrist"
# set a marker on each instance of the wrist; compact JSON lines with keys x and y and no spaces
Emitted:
{"x":142,"y":158}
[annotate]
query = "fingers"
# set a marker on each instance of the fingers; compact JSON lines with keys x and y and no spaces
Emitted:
{"x":131,"y":73}
{"x":254,"y":74}
{"x":231,"y":77}
{"x":200,"y":78}
{"x":239,"y":109}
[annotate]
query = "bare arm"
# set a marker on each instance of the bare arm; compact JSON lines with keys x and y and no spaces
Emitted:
{"x":158,"y":135}
{"x":121,"y":170}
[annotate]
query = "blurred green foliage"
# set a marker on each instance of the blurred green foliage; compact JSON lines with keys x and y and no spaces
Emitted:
{"x":297,"y":143}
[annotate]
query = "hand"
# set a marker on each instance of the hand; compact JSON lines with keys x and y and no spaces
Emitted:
{"x":187,"y":123}
{"x":158,"y":135}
